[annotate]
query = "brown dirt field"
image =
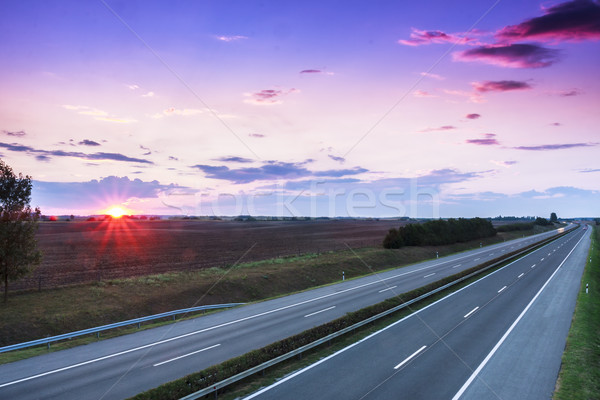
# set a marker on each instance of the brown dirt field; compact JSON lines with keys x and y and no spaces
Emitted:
{"x":81,"y":252}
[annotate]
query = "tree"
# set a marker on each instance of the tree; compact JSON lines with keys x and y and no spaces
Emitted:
{"x":18,"y":225}
{"x":553,"y":217}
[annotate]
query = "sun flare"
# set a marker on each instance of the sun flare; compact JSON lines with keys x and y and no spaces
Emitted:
{"x":116,"y":212}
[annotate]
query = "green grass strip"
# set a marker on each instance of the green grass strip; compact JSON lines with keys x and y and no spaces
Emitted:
{"x":579,"y":376}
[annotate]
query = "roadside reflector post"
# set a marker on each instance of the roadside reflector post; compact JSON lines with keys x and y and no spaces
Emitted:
{"x":437,"y":255}
{"x":343,"y":276}
{"x":587,"y":285}
{"x":479,"y":244}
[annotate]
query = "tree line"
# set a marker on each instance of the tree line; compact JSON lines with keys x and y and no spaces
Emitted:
{"x":439,"y":232}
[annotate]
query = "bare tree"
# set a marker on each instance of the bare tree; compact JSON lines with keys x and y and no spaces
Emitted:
{"x":18,"y":225}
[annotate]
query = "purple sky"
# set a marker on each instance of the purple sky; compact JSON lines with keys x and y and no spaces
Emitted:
{"x":328,"y":108}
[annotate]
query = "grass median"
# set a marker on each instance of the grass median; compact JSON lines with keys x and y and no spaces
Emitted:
{"x":579,"y":377}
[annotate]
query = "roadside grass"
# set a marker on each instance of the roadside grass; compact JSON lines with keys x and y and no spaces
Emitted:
{"x":33,"y":315}
{"x":579,"y":377}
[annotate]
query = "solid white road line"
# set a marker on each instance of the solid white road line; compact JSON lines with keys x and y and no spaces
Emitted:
{"x":427,"y":276}
{"x":413,"y":355}
{"x":503,"y":338}
{"x":471,"y":312}
{"x":187,"y":355}
{"x":501,"y":289}
{"x":477,"y":259}
{"x":523,"y":273}
{"x":456,"y":266}
{"x":386,"y":289}
{"x":318,"y":312}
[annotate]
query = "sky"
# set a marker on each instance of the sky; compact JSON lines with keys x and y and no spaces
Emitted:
{"x":313,"y":108}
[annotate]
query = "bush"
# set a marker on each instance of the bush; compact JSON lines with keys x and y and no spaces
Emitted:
{"x":439,"y":232}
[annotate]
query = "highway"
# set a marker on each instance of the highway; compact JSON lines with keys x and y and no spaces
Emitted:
{"x":121,"y":367}
{"x":501,"y":337}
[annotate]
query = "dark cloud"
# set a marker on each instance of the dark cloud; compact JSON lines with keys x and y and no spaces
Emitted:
{"x":42,"y":158}
{"x":86,"y":142}
{"x":15,"y":133}
{"x":147,"y":150}
{"x":256,"y":135}
{"x":173,"y":158}
{"x":512,"y":55}
{"x":233,"y":159}
{"x":556,"y":124}
{"x":272,"y":170}
{"x":561,"y":146}
{"x":500,"y":86}
{"x":488,"y":140}
{"x":588,"y":170}
{"x":336,"y":158}
{"x":61,"y":153}
{"x":311,"y":71}
{"x":472,"y":116}
{"x":571,"y":21}
{"x":419,"y":37}
{"x":268,"y":96}
{"x":569,"y":93}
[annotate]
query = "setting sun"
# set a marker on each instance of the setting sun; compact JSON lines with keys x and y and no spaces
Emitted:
{"x":116,"y":212}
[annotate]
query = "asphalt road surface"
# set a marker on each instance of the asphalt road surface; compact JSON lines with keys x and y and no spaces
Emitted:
{"x":122,"y":367}
{"x":501,"y":337}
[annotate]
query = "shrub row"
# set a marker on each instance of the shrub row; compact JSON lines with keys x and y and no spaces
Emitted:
{"x":439,"y":232}
{"x":214,"y":374}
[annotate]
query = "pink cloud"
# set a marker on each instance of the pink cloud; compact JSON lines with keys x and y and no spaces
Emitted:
{"x":499,"y":86}
{"x":433,"y":76}
{"x":419,"y":37}
{"x":511,"y":56}
{"x":472,"y":116}
{"x":441,"y":128}
{"x":422,"y":93}
{"x":575,"y":20}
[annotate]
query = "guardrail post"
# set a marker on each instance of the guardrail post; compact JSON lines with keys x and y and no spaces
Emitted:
{"x":98,"y":335}
{"x":139,"y":323}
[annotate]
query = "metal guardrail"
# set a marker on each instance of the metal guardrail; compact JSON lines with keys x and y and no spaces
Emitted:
{"x":99,"y":329}
{"x":300,"y":350}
